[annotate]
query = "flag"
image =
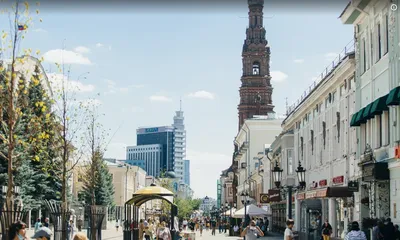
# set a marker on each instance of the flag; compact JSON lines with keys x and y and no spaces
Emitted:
{"x":21,"y":27}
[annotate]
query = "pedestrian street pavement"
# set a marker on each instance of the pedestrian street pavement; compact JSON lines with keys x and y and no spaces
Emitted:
{"x":225,"y":236}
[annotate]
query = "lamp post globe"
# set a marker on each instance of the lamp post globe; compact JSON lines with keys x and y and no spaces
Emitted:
{"x":301,"y":175}
{"x":277,"y":175}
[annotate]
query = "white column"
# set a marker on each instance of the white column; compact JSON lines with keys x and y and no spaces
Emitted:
{"x":332,"y":215}
{"x":297,"y":214}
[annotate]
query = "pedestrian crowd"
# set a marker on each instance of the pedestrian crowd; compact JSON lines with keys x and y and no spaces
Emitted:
{"x":42,"y":231}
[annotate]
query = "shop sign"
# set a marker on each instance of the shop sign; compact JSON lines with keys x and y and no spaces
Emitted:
{"x":322,"y":193}
{"x":264,"y":198}
{"x":353,"y":186}
{"x":323,"y":183}
{"x":274,"y":195}
{"x":375,"y":171}
{"x":301,"y":196}
{"x":338,"y":180}
{"x":311,"y":194}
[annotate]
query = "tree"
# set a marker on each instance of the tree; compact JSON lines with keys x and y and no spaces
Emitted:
{"x":13,"y":143}
{"x":40,"y":129}
{"x":71,"y":116}
{"x":97,"y":181}
{"x":196,"y":203}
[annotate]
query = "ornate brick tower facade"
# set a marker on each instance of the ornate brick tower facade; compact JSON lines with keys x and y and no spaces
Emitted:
{"x":256,"y":89}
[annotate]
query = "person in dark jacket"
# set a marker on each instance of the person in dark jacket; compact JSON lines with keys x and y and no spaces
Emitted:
{"x":326,"y":230}
{"x":388,"y":230}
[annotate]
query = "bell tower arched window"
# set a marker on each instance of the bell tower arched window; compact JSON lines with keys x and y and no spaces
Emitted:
{"x":256,"y":68}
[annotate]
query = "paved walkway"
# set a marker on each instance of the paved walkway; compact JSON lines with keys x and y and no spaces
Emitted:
{"x":220,"y":236}
{"x":112,"y":234}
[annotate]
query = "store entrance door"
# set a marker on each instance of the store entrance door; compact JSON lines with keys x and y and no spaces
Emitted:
{"x":314,"y":224}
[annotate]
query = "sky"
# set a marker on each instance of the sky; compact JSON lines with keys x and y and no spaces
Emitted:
{"x":139,"y":64}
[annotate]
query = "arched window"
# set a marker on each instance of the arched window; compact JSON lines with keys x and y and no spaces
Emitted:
{"x":256,"y":68}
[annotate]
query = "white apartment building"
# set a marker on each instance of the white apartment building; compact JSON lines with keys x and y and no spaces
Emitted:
{"x":377,"y":99}
{"x":147,"y":157}
{"x":316,"y":134}
{"x":250,"y":141}
{"x":179,"y":145}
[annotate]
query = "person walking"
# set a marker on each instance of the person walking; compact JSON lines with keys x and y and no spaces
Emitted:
{"x":213,"y":226}
{"x":201,"y":226}
{"x":80,"y":236}
{"x":163,"y":232}
{"x":388,"y":230}
{"x":38,"y":224}
{"x":326,"y":230}
{"x":355,"y":233}
{"x":288,"y":235}
{"x":252,"y":231}
{"x":43,"y":233}
{"x":18,"y":231}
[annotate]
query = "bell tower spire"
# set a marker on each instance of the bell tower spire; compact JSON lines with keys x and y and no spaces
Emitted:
{"x":256,"y":90}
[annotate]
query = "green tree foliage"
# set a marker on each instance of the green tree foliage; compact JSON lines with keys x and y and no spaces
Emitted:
{"x":41,"y":131}
{"x":196,"y":203}
{"x":98,"y":188}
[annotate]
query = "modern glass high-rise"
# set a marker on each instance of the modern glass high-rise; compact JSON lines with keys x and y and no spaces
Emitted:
{"x":147,"y":157}
{"x":179,"y":144}
{"x":186,"y":173}
{"x":159,"y":135}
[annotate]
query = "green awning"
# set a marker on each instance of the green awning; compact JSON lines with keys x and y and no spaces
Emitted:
{"x":379,"y":105}
{"x":393,"y":97}
{"x":359,"y":118}
{"x":353,"y":120}
{"x":366,"y":113}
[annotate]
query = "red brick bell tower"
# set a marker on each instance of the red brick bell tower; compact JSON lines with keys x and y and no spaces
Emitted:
{"x":256,"y":89}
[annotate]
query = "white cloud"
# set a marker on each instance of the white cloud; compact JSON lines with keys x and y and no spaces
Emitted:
{"x":56,"y":81}
{"x":109,"y":47}
{"x":210,"y":163}
{"x":157,"y":98}
{"x":278,"y":76}
{"x":64,"y":56}
{"x":202,"y":94}
{"x":299,"y":60}
{"x":331,"y":56}
{"x":41,"y":30}
{"x":82,"y":49}
{"x":99,"y":45}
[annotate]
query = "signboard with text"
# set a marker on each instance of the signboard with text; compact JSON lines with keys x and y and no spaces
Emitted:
{"x":274,"y":195}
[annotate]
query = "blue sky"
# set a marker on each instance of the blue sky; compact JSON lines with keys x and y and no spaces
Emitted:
{"x":143,"y":63}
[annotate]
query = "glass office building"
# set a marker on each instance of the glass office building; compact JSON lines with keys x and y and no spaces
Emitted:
{"x":163,"y":136}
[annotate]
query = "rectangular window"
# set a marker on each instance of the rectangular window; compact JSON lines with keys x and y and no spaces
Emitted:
{"x":333,"y":96}
{"x":364,"y":56}
{"x":379,"y":42}
{"x":290,"y":161}
{"x":379,"y":131}
{"x":386,"y":33}
{"x":341,"y":90}
{"x":372,"y":48}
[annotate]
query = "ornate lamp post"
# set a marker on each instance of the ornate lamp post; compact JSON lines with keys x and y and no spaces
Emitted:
{"x":277,"y":175}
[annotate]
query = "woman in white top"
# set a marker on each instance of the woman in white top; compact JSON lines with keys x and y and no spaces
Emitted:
{"x":251,"y":232}
{"x":288,"y":231}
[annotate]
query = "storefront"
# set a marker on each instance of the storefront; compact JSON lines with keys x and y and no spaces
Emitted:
{"x":314,"y":209}
{"x":278,"y":209}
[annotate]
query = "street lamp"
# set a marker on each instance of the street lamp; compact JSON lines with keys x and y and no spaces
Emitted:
{"x":226,"y":218}
{"x":277,"y":175}
{"x":245,"y":200}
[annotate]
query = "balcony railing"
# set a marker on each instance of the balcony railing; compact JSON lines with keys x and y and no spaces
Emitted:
{"x":327,"y":71}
